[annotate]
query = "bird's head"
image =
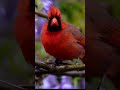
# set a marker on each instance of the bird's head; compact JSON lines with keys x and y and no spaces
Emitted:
{"x":54,"y":19}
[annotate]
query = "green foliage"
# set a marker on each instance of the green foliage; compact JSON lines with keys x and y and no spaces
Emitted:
{"x":76,"y":80}
{"x":39,"y":51}
{"x":74,"y":12}
{"x":39,"y":5}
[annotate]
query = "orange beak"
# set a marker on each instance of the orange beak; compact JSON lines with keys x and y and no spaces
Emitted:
{"x":54,"y":22}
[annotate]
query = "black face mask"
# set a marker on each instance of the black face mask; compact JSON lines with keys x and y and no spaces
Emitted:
{"x":54,"y":28}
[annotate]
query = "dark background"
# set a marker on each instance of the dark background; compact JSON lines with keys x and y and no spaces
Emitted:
{"x":13,"y":67}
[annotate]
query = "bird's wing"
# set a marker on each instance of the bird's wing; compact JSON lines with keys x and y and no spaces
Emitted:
{"x":77,"y":34}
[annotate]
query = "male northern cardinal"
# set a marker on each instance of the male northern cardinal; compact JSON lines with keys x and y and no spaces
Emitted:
{"x":103,"y":42}
{"x":24,"y":29}
{"x":60,"y":39}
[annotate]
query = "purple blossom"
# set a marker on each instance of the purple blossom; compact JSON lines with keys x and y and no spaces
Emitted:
{"x":82,"y":83}
{"x":50,"y":82}
{"x":46,"y":5}
{"x":66,"y":82}
{"x":66,"y":86}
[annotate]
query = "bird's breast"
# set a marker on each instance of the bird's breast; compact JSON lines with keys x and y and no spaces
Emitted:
{"x":60,"y":45}
{"x":51,"y":41}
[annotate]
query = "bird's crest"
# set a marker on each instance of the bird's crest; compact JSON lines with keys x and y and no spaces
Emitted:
{"x":54,"y":12}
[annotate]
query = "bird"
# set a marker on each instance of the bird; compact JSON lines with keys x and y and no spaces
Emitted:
{"x":60,"y":39}
{"x":102,"y":46}
{"x":24,"y":29}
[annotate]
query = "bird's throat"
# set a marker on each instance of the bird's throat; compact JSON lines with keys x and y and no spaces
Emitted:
{"x":54,"y":25}
{"x":54,"y":28}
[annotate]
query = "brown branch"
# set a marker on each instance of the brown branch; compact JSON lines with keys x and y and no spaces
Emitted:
{"x":42,"y":65}
{"x":74,"y":74}
{"x":58,"y":69}
{"x":70,"y":73}
{"x":40,"y":14}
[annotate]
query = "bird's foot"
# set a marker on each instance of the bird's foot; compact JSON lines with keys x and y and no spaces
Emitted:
{"x":59,"y":62}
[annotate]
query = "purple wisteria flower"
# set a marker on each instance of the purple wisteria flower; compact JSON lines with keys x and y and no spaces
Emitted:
{"x":82,"y":83}
{"x":50,"y":82}
{"x":39,"y":20}
{"x":46,"y":5}
{"x":66,"y":82}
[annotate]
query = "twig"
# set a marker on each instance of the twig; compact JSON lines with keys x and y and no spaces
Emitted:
{"x":40,"y":14}
{"x":101,"y":81}
{"x":74,"y":74}
{"x":42,"y":65}
{"x":70,"y":73}
{"x":10,"y":85}
{"x":58,"y":69}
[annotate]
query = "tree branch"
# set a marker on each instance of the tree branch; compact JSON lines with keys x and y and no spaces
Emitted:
{"x":58,"y":69}
{"x":41,"y":14}
{"x":69,"y":73}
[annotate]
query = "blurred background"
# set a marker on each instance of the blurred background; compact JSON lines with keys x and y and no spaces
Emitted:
{"x":113,"y":9}
{"x":73,"y":11}
{"x":112,"y":6}
{"x":13,"y":67}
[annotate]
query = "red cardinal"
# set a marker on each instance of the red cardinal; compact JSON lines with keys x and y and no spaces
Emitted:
{"x":24,"y":29}
{"x":60,"y":39}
